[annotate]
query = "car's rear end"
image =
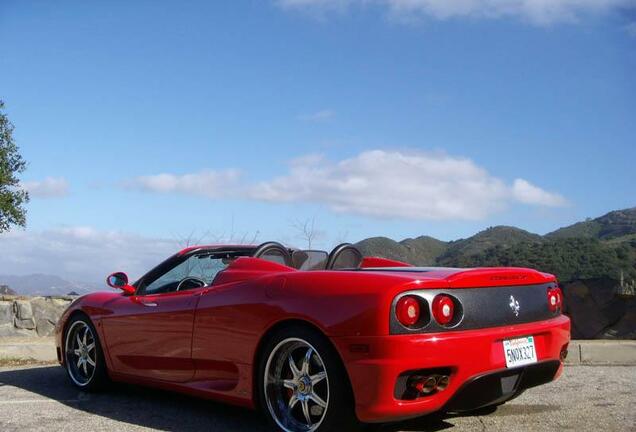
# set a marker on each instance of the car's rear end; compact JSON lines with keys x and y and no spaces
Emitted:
{"x":463,"y":340}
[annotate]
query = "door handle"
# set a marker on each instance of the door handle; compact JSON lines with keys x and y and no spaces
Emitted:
{"x":149,"y":304}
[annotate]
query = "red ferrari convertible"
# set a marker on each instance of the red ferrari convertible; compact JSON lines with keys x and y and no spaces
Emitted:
{"x":320,"y":341}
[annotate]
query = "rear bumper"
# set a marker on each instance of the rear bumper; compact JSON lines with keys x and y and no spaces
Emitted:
{"x":475,"y":359}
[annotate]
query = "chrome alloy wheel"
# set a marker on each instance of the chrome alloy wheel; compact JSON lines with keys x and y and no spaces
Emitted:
{"x":80,"y":352}
{"x":297,"y":397}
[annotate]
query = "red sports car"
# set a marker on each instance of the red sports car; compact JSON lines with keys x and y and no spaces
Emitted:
{"x":320,"y":341}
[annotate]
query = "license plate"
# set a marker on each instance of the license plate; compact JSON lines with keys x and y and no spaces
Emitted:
{"x":519,"y":351}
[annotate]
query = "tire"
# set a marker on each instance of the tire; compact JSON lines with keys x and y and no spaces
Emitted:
{"x":83,"y":355}
{"x":281,"y":387}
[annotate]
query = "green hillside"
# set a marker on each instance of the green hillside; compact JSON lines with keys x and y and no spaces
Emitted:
{"x":603,"y":247}
{"x":613,"y":225}
{"x":461,"y":252}
{"x":422,"y":250}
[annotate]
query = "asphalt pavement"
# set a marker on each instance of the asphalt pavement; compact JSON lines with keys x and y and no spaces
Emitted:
{"x":586,"y":398}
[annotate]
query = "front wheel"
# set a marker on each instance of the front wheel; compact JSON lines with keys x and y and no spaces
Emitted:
{"x":303,"y":385}
{"x":84,"y":359}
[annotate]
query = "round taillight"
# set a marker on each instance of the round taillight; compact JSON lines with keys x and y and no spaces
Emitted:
{"x":408,"y":311}
{"x":443,"y":309}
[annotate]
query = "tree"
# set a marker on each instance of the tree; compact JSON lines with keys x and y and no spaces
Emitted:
{"x":306,"y":230}
{"x":12,"y":196}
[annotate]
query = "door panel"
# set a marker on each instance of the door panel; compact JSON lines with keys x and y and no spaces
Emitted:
{"x":151,"y":336}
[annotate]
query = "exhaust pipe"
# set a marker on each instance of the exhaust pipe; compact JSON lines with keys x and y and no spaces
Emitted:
{"x":442,"y":382}
{"x":426,"y":385}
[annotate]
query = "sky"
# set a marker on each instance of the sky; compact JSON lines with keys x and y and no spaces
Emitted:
{"x":151,"y":124}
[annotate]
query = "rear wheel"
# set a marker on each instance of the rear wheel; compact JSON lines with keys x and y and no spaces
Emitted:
{"x":84,"y":359}
{"x":303,"y":386}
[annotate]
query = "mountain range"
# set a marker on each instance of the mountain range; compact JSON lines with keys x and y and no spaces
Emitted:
{"x":39,"y":284}
{"x":601,"y":247}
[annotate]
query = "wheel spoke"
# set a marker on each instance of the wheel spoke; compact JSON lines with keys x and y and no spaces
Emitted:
{"x":315,"y":379}
{"x":90,"y":361}
{"x":290,"y":384}
{"x":79,"y":340}
{"x":84,"y":363}
{"x":314,"y":397}
{"x":91,"y":346}
{"x":85,"y":335}
{"x":292,"y":402}
{"x":306,"y":360}
{"x":293,"y":367}
{"x":80,"y":361}
{"x":305,"y":405}
{"x":77,"y":352}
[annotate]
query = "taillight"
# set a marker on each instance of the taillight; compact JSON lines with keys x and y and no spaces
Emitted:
{"x":408,"y":311}
{"x":555,"y":299}
{"x":443,"y":309}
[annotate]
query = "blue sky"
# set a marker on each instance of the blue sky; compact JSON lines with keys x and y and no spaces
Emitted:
{"x":144,"y":122}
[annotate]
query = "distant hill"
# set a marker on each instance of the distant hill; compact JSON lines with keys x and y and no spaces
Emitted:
{"x":461,"y":251}
{"x":44,"y":285}
{"x":613,"y":225}
{"x":423,"y":250}
{"x":603,"y":247}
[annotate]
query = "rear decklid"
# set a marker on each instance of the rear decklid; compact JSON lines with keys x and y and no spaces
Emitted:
{"x":483,"y":297}
{"x":474,"y":277}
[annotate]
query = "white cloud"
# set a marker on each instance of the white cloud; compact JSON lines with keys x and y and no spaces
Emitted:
{"x":50,"y":187}
{"x":536,"y":11}
{"x":527,"y":193}
{"x":210,"y":184}
{"x":81,"y":253}
{"x":318,"y":116}
{"x":376,"y":183}
{"x":415,"y":186}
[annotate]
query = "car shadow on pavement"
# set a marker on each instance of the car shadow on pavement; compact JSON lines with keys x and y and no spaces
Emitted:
{"x":135,"y":405}
{"x":163,"y":410}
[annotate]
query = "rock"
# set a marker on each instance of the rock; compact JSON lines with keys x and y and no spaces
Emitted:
{"x":23,"y":310}
{"x":593,"y":308}
{"x":46,"y":309}
{"x":45,"y":327}
{"x":6,"y":313}
{"x":63,"y":302}
{"x":9,"y":330}
{"x":28,"y":324}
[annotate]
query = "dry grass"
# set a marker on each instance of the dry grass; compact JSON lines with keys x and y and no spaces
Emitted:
{"x":14,"y":361}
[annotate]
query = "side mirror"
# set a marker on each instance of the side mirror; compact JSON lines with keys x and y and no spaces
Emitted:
{"x":120,"y":280}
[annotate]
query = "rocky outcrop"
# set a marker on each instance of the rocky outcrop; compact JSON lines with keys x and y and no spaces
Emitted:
{"x":597,"y":312}
{"x":30,"y":316}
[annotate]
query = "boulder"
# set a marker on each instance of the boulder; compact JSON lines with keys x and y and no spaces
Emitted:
{"x":47,"y":309}
{"x":593,"y":308}
{"x":44,"y":327}
{"x":9,"y":330}
{"x":23,"y":309}
{"x":6,"y":313}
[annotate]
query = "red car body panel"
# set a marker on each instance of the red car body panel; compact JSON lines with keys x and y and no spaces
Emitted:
{"x":205,"y":341}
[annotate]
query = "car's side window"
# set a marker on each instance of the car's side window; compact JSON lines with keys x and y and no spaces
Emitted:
{"x":196,"y":267}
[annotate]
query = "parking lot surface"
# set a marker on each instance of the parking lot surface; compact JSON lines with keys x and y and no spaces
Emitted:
{"x":586,"y":398}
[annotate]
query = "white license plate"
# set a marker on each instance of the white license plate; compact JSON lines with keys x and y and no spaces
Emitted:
{"x":519,"y":351}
